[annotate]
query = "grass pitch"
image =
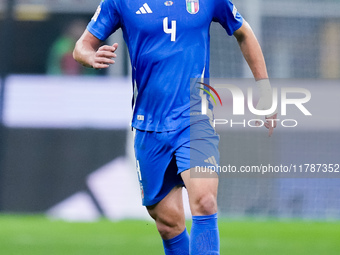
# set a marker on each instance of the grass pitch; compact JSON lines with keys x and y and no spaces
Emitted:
{"x":37,"y":235}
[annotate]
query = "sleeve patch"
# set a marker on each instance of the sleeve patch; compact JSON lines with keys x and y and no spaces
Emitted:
{"x":95,"y":16}
{"x":234,"y":11}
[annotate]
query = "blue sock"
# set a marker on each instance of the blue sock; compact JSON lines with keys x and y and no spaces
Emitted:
{"x":179,"y":245}
{"x":204,"y":237}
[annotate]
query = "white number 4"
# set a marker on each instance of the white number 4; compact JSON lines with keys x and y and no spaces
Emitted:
{"x":171,"y":30}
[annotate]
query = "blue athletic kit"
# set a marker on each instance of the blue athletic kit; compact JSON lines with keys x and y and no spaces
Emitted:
{"x":168,"y":43}
{"x":162,"y":156}
{"x":168,"y":46}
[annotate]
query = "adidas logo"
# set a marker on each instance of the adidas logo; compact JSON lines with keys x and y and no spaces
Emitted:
{"x":144,"y":9}
{"x":211,"y":160}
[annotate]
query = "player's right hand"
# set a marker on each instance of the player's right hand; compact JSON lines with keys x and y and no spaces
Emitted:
{"x":103,"y":57}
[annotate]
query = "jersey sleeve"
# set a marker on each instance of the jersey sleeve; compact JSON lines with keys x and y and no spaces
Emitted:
{"x":228,"y":16}
{"x":105,"y":21}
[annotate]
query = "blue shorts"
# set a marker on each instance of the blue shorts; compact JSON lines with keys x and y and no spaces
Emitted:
{"x":162,"y":156}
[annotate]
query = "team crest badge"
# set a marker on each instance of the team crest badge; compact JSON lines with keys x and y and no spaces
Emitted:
{"x":192,"y":6}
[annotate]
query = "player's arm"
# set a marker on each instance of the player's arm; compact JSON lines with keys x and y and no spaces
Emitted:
{"x":252,"y":52}
{"x":89,"y":52}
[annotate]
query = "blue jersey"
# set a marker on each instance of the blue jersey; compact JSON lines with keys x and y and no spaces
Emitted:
{"x":168,"y":43}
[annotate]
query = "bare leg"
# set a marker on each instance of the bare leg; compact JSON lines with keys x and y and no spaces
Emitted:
{"x":204,"y":236}
{"x":202,"y":193}
{"x":169,"y":214}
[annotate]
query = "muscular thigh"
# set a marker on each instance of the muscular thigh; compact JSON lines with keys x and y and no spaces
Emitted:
{"x":202,"y":185}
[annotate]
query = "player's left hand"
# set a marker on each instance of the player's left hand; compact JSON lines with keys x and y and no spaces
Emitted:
{"x":271,"y":123}
{"x":264,"y":103}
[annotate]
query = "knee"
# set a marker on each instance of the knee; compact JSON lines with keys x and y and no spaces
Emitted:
{"x":168,"y":225}
{"x":205,"y":204}
{"x":168,"y":231}
{"x":169,"y":228}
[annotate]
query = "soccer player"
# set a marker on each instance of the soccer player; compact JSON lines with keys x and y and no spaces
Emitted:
{"x":168,"y":42}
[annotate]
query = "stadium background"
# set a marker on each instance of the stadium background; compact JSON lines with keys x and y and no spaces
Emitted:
{"x":63,"y":137}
